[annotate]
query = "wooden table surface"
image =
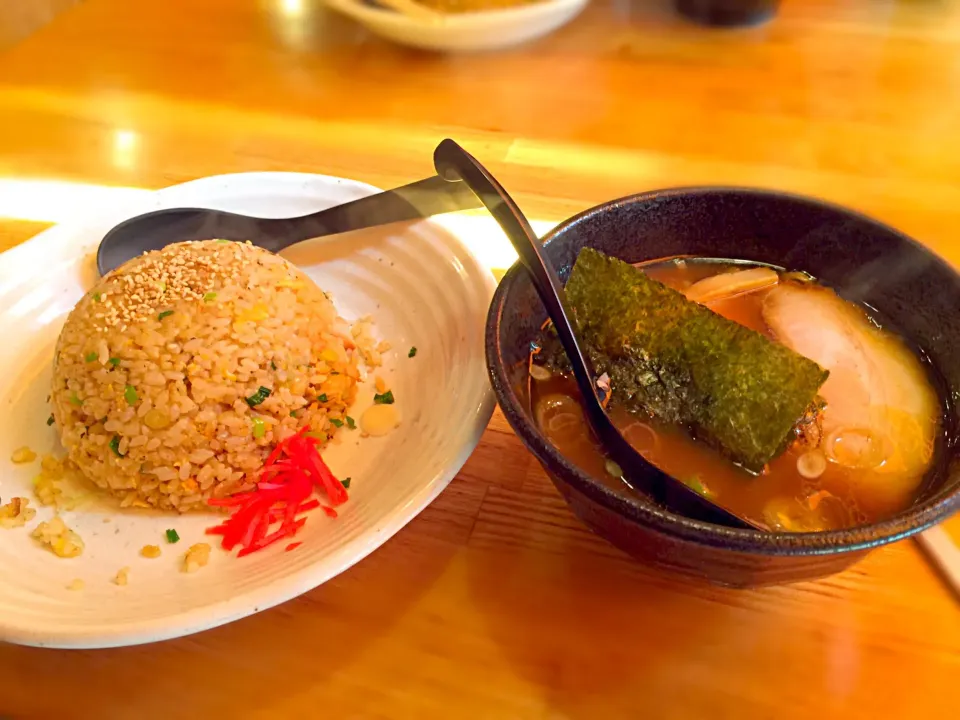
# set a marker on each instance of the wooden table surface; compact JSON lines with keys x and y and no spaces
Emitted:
{"x":496,"y":602}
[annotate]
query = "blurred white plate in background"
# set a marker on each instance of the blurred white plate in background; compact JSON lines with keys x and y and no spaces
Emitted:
{"x":463,"y":32}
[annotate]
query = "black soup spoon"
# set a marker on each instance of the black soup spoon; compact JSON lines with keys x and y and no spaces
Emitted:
{"x":155,"y":230}
{"x":453,"y":163}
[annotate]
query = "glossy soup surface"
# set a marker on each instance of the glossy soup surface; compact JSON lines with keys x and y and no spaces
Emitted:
{"x":804,"y":489}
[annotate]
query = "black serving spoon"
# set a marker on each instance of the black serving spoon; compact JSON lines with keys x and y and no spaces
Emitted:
{"x":453,"y":163}
{"x":154,"y":230}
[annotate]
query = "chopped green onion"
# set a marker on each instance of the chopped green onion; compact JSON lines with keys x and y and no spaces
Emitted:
{"x":273,"y":365}
{"x":384,"y":399}
{"x":172,"y":536}
{"x":613,"y":469}
{"x":96,"y":297}
{"x":696,"y":484}
{"x":130,"y":395}
{"x":115,"y":445}
{"x":165,"y":313}
{"x":50,"y":421}
{"x":322,"y":397}
{"x":293,"y":413}
{"x":412,"y":353}
{"x":74,"y":400}
{"x":336,"y":423}
{"x":221,"y":241}
{"x":259,"y":427}
{"x":114,"y":361}
{"x":209,"y":297}
{"x":90,"y":356}
{"x":350,"y":423}
{"x":345,"y":482}
{"x":258,"y":397}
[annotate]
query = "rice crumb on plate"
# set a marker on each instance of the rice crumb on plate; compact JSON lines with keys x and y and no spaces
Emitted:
{"x":62,"y":541}
{"x":23,"y":455}
{"x":196,"y":557}
{"x":59,"y":484}
{"x":150,"y":551}
{"x":122,"y":576}
{"x":379,"y":420}
{"x":76,"y":584}
{"x":16,"y":513}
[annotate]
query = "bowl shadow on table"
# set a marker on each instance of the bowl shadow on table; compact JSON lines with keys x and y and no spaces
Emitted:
{"x":574,"y":616}
{"x":589,"y":632}
{"x":595,"y":633}
{"x":600,"y":634}
{"x":304,"y":642}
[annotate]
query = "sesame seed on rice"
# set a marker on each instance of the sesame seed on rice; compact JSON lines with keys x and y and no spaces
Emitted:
{"x":175,"y":391}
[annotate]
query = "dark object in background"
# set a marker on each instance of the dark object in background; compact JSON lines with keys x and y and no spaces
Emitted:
{"x":728,"y":13}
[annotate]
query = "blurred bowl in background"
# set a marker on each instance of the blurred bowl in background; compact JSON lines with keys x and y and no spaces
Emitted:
{"x":727,"y":13}
{"x":463,"y":32}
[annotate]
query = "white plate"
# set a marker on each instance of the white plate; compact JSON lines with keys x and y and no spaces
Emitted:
{"x":424,"y":288}
{"x":466,"y":32}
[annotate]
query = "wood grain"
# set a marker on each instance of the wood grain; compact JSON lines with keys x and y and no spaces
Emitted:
{"x":496,"y":602}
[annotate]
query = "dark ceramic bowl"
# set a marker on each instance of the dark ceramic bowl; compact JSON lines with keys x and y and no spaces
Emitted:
{"x":907,"y":287}
{"x":727,"y":13}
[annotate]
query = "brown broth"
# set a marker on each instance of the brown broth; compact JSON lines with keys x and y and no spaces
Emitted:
{"x":780,"y":498}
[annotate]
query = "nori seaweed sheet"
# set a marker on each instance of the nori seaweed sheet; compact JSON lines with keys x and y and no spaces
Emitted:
{"x":684,"y":364}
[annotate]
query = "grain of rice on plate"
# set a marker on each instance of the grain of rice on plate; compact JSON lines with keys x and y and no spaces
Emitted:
{"x":175,"y":375}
